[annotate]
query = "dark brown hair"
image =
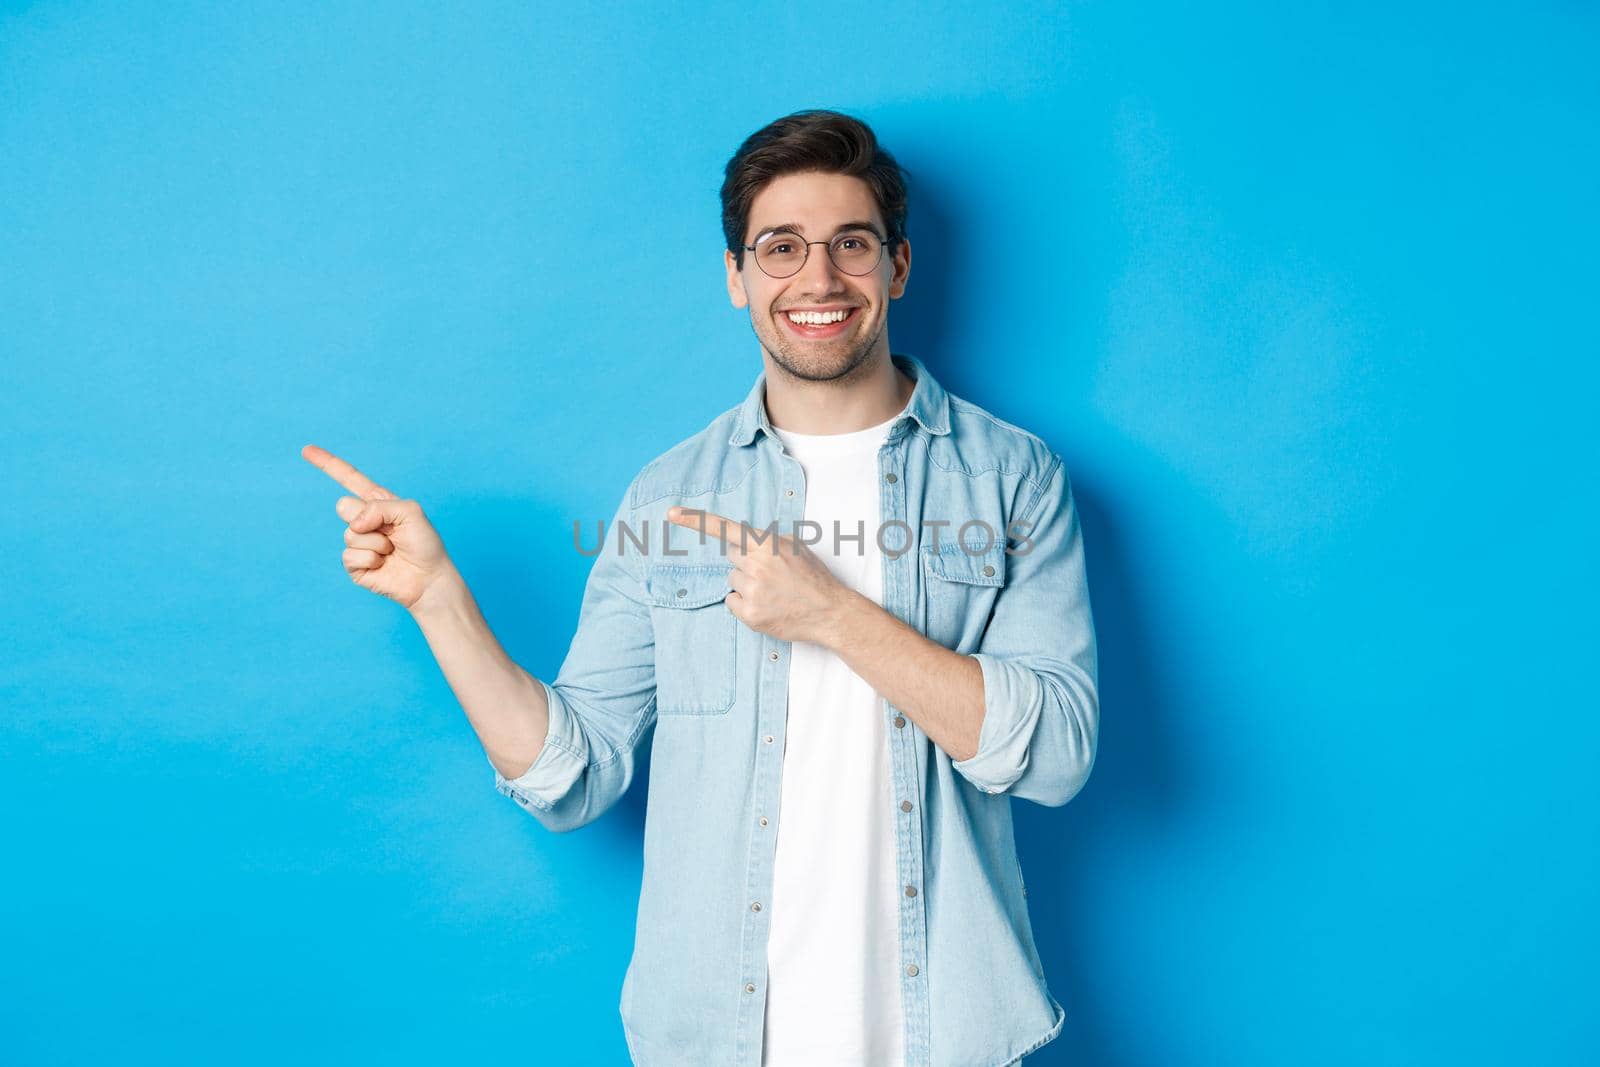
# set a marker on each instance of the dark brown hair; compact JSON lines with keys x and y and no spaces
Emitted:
{"x":813,"y":140}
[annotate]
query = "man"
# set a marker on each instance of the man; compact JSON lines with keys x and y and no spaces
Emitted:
{"x":851,"y":618}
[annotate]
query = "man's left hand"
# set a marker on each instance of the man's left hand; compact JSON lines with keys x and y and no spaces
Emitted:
{"x":780,"y":587}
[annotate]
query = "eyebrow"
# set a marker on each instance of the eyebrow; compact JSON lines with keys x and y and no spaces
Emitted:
{"x":794,"y":227}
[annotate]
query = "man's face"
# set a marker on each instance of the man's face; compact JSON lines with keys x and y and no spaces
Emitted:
{"x":817,"y":206}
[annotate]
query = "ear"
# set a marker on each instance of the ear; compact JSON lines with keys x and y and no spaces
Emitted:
{"x":902,"y":269}
{"x":736,"y":291}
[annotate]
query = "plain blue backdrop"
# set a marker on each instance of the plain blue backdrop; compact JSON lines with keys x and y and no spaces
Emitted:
{"x":1304,"y":295}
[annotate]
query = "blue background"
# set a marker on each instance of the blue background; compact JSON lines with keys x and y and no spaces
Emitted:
{"x":1306,"y":297}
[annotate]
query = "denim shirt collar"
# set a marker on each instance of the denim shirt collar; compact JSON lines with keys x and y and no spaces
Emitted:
{"x":929,"y":405}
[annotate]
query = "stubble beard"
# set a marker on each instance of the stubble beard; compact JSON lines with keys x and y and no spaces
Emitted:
{"x":820,"y":363}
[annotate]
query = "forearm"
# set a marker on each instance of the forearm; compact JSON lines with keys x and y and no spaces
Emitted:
{"x":941,"y":690}
{"x":504,"y":703}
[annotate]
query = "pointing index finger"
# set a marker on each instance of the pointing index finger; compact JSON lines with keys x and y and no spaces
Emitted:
{"x":345,"y":474}
{"x":710,"y":522}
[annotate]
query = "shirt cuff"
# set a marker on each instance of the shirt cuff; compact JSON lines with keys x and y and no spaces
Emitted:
{"x":1013,"y":697}
{"x":558,"y":764}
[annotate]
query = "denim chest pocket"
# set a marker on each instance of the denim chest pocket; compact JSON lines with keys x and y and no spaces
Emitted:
{"x":695,"y":638}
{"x":961,"y":585}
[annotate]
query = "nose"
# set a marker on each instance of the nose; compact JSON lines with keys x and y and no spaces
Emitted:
{"x":820,"y":275}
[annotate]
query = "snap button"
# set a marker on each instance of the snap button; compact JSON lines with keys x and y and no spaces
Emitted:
{"x":683,"y":592}
{"x":891,"y":477}
{"x":899,"y":721}
{"x":756,"y":906}
{"x":988,"y":571}
{"x":911,"y":890}
{"x":768,"y":739}
{"x":911,"y":970}
{"x":773,"y":655}
{"x":905,"y":805}
{"x":749,"y":987}
{"x":788,"y":492}
{"x":762,"y":820}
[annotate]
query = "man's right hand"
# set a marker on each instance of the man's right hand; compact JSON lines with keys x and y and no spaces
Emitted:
{"x":391,"y":547}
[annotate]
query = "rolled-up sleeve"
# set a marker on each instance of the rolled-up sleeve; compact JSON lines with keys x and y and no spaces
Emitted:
{"x":1041,"y":705}
{"x":602,"y":702}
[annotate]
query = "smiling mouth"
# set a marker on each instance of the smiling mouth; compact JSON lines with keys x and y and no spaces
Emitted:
{"x":818,"y":324}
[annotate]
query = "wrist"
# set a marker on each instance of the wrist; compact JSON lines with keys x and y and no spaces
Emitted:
{"x":444,"y":594}
{"x":838,"y":622}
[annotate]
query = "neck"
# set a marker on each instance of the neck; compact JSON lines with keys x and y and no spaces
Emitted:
{"x":875,"y":392}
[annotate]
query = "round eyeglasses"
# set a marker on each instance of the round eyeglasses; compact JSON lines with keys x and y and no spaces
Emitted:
{"x":781,"y":254}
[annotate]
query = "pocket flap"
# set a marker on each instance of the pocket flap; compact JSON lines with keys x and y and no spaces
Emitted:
{"x":683,"y":585}
{"x":956,"y":564}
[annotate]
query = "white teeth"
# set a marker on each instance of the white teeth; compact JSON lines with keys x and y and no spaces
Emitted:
{"x":817,"y":318}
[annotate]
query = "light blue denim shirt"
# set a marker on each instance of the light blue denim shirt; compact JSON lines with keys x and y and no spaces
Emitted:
{"x":659,"y":659}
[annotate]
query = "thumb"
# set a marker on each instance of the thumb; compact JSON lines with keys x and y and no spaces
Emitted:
{"x":374,"y":513}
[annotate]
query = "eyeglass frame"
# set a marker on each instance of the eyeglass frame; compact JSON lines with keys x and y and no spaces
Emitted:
{"x":885,"y":243}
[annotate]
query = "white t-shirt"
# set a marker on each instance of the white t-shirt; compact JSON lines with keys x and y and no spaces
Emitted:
{"x":833,"y":954}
